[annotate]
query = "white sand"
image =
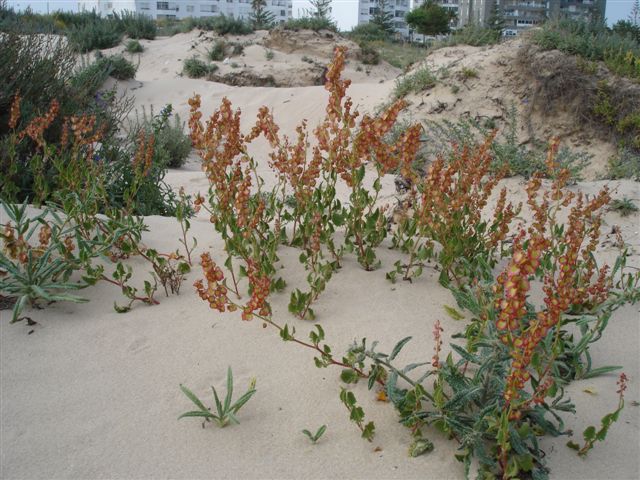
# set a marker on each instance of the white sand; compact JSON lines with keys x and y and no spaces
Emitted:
{"x":94,"y":394}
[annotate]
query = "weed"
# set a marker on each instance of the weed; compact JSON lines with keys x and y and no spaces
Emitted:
{"x":193,"y":67}
{"x":134,"y":46}
{"x":624,"y":164}
{"x":119,"y":67}
{"x":623,"y":206}
{"x":528,"y":330}
{"x":307,"y":59}
{"x":225,"y":412}
{"x":269,"y":55}
{"x":415,"y":82}
{"x":314,"y":437}
{"x":310,"y":23}
{"x":368,"y":55}
{"x":217,"y":52}
{"x":468,"y":73}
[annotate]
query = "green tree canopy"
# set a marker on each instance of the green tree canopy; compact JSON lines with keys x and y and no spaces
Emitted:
{"x":261,"y":18}
{"x":429,"y":19}
{"x":383,"y":16}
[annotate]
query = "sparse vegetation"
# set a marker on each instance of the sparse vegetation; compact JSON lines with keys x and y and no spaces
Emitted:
{"x":368,"y":55}
{"x":225,"y":411}
{"x":193,"y":67}
{"x":310,"y":23}
{"x":134,"y":46}
{"x":502,"y":387}
{"x":217,"y":52}
{"x":269,"y":55}
{"x":624,"y":206}
{"x":415,"y":82}
{"x":621,"y":53}
{"x":118,"y":67}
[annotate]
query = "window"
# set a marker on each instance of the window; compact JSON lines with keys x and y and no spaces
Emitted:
{"x":373,"y":10}
{"x":145,"y":6}
{"x":283,"y":13}
{"x":162,"y":5}
{"x":399,"y":14}
{"x":208,"y":8}
{"x":190,"y":8}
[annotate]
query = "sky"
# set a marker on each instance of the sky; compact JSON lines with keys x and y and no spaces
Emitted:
{"x":345,"y":12}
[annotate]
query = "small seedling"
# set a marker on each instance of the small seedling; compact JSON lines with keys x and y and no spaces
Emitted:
{"x":315,"y":437}
{"x":226,"y":412}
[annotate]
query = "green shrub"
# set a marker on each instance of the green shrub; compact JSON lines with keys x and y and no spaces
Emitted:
{"x":172,"y":144}
{"x":368,"y":55}
{"x":119,"y":67}
{"x":620,"y":52}
{"x":99,"y":34}
{"x":137,"y":25}
{"x":220,"y":24}
{"x":506,"y":148}
{"x":217,"y":52}
{"x":238,"y":49}
{"x":625,"y":164}
{"x":134,"y":46}
{"x":309,"y":23}
{"x":415,"y":82}
{"x":269,"y":55}
{"x":474,"y":35}
{"x":368,"y":32}
{"x":193,"y":67}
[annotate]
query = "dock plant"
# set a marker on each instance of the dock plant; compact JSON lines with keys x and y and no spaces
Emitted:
{"x":503,"y":383}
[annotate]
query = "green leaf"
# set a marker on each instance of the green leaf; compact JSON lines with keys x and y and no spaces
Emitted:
{"x":398,"y":347}
{"x":420,"y":447}
{"x":349,"y":376}
{"x":369,"y":431}
{"x":573,"y":445}
{"x":242,"y":400}
{"x":197,"y":413}
{"x":590,"y":433}
{"x":600,"y":371}
{"x":191,"y":396}
{"x":453,"y":313}
{"x":227,"y":400}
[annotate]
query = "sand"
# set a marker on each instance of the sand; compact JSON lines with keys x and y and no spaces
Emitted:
{"x":91,"y":393}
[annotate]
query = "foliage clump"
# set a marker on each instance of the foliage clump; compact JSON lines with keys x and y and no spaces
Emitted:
{"x":503,"y":384}
{"x":193,"y":67}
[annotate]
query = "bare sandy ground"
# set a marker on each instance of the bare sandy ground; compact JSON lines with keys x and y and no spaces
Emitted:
{"x":94,"y":394}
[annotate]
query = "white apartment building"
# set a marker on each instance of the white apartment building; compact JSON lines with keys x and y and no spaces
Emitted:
{"x":398,"y":8}
{"x":171,"y":9}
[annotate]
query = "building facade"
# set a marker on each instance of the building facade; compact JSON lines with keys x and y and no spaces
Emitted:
{"x":165,"y":9}
{"x":517,"y":15}
{"x":397,"y":8}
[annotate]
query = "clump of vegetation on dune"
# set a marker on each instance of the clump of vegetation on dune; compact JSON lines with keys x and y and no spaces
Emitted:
{"x":63,"y":149}
{"x":84,"y":31}
{"x":503,"y":384}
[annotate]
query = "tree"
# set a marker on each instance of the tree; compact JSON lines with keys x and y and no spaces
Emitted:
{"x":322,"y":9}
{"x":383,"y":17}
{"x":627,"y":29}
{"x":261,"y":18}
{"x":634,"y":15}
{"x":496,"y":20}
{"x":429,"y":19}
